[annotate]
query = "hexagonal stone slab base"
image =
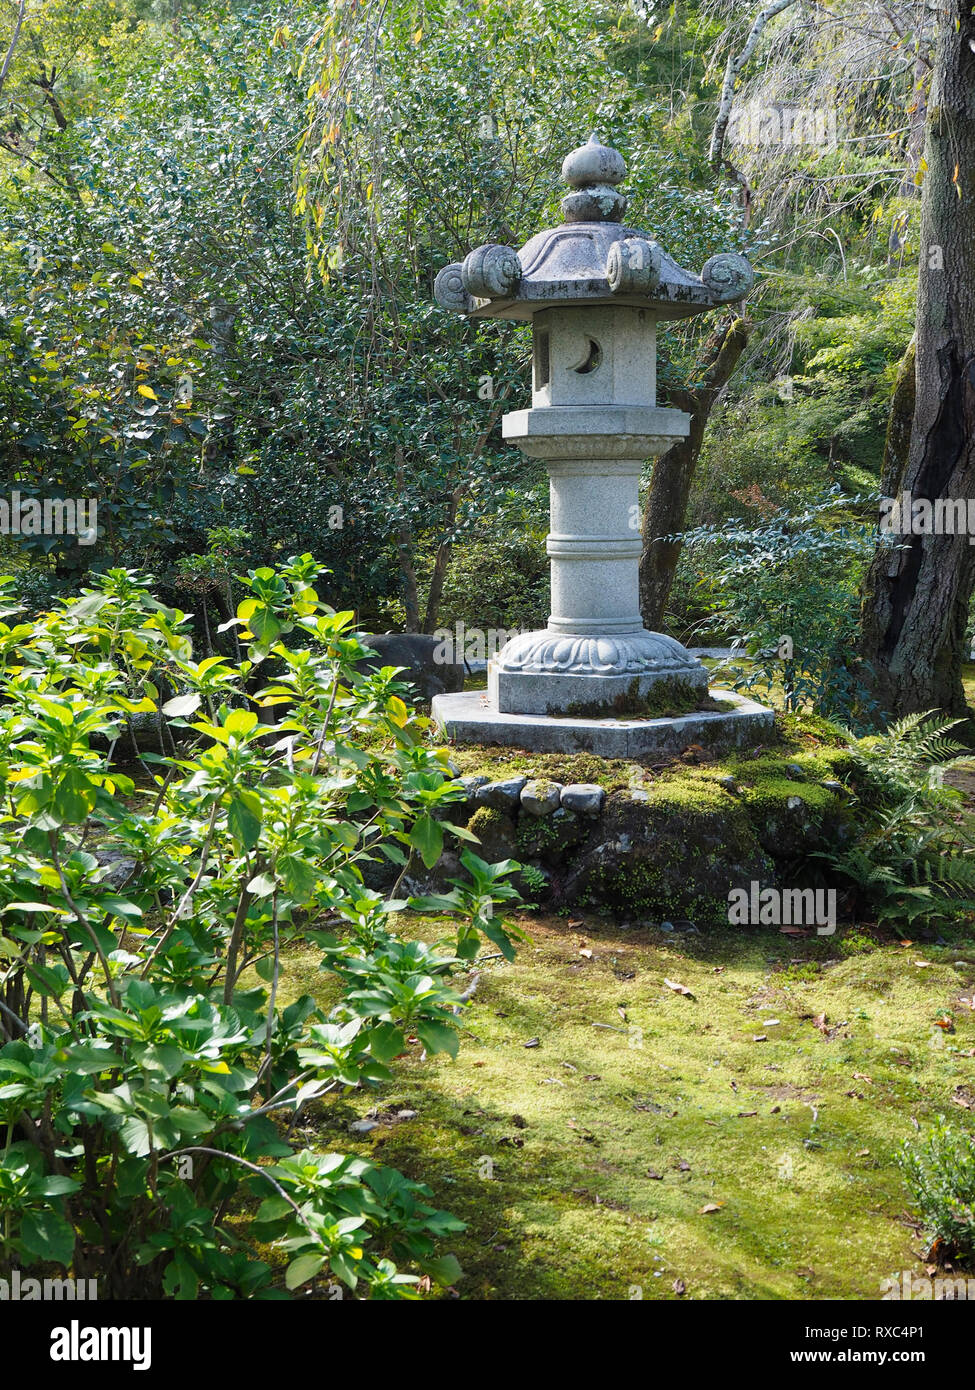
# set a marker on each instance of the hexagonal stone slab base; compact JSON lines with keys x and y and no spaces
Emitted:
{"x":469,"y":718}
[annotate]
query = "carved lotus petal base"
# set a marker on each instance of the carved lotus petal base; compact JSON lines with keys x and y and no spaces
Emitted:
{"x":600,"y":654}
{"x":550,"y":672}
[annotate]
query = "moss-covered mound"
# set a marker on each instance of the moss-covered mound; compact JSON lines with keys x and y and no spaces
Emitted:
{"x":672,"y":851}
{"x":673,"y":839}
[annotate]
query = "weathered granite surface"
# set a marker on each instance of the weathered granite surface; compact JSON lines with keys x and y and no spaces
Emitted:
{"x":470,"y":718}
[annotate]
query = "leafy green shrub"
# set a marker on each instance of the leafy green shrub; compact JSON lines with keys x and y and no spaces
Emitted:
{"x":146,"y":1067}
{"x":795,"y":576}
{"x":940,"y":1172}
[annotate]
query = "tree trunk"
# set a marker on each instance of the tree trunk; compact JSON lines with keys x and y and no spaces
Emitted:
{"x":441,"y":562}
{"x":404,"y":550}
{"x":916,"y":598}
{"x":673,"y":473}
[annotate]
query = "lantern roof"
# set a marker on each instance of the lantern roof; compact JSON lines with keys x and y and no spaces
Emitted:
{"x":592,"y":258}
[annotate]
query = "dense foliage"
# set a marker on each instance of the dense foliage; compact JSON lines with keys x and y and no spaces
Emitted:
{"x":220,"y":234}
{"x":150,"y":1079}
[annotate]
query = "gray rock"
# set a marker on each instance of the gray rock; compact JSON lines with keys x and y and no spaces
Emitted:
{"x":150,"y":731}
{"x":406,"y":1114}
{"x":436,"y":880}
{"x":729,"y":784}
{"x":503,"y":796}
{"x":540,"y":798}
{"x":835,"y":787}
{"x":120,"y":868}
{"x":496,"y":832}
{"x":794,"y":771}
{"x":472,"y":785}
{"x":420,"y":655}
{"x":362,"y":1126}
{"x":583,"y":797}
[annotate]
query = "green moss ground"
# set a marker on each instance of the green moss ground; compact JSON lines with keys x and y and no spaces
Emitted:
{"x":810,"y":1203}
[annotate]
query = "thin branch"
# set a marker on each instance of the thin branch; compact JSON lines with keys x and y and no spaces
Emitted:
{"x":13,"y":42}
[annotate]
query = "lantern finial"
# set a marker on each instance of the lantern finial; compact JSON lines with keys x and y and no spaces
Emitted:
{"x":593,"y":170}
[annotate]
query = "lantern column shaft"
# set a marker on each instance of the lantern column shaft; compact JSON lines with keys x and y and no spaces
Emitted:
{"x":594,"y":546}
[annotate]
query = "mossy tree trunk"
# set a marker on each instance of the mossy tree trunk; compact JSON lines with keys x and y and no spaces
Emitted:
{"x":916,"y":598}
{"x":673,"y":472}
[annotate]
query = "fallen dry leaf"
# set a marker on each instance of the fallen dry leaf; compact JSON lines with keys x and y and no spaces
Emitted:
{"x":657,"y":1177}
{"x":746,"y":1114}
{"x":863,"y":1153}
{"x":819,"y":1021}
{"x":679,"y":1287}
{"x":794,"y":931}
{"x":711,"y":1206}
{"x":859,"y":1076}
{"x":678,"y":989}
{"x":587,"y":953}
{"x":922,"y":964}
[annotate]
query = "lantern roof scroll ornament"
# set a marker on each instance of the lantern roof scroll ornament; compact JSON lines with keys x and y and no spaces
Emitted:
{"x":593,"y":258}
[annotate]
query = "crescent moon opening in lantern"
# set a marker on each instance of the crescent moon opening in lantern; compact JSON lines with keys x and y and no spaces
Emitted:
{"x":589,"y":359}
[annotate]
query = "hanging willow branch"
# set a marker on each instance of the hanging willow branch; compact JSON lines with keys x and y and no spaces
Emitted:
{"x":735,"y":64}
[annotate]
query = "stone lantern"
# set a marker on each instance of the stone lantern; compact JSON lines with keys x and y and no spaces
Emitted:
{"x":594,"y":290}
